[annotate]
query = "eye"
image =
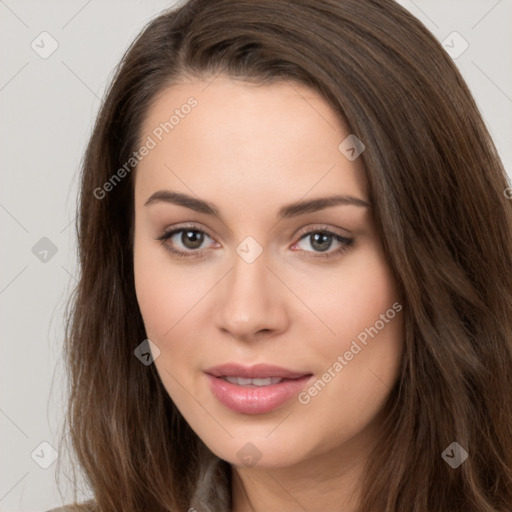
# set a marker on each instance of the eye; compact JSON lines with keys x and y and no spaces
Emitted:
{"x":321,"y":240}
{"x":187,"y":242}
{"x":187,"y":239}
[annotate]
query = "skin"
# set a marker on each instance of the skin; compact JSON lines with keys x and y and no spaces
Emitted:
{"x":250,"y":149}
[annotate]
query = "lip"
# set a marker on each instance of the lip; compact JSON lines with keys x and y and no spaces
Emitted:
{"x":253,"y":399}
{"x":257,"y":371}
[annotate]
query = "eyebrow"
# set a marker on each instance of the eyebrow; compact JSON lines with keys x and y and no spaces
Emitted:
{"x":287,"y":211}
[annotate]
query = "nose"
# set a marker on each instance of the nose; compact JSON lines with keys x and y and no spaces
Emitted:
{"x":251,"y":301}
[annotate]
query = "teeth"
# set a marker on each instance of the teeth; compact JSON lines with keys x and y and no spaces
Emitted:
{"x":242,"y":381}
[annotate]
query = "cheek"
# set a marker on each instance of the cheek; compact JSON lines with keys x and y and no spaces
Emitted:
{"x":172,"y":300}
{"x":161,"y":289}
{"x":352,"y":299}
{"x":151,"y":290}
{"x":361,"y":360}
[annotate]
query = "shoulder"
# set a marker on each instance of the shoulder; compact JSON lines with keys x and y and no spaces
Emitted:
{"x":88,"y":506}
{"x":70,"y":508}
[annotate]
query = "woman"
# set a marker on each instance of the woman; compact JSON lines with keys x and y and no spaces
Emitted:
{"x":296,"y":290}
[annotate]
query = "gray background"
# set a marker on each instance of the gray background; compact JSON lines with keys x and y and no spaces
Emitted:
{"x":47,"y":107}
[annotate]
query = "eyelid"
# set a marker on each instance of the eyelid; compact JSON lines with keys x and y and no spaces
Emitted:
{"x":346,"y":243}
{"x":300,"y":233}
{"x":347,"y":240}
{"x":323,"y":227}
{"x":181,"y":227}
{"x":169,"y":233}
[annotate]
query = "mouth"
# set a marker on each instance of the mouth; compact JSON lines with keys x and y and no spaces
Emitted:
{"x":257,"y":389}
{"x":257,"y":371}
{"x":258,"y":382}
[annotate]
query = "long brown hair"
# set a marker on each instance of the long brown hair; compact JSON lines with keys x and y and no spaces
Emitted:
{"x":437,"y":185}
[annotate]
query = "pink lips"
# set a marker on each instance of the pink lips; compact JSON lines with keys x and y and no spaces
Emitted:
{"x":255,"y":399}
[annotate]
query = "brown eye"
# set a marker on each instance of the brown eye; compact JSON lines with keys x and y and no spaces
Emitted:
{"x":184,"y":242}
{"x":191,"y":239}
{"x":321,"y":241}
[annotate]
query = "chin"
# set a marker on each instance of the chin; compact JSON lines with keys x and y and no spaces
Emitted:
{"x":256,"y":449}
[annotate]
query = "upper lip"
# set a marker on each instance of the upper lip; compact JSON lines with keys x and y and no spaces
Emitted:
{"x":257,"y":371}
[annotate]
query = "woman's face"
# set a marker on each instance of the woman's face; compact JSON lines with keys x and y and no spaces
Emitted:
{"x":266,"y":273}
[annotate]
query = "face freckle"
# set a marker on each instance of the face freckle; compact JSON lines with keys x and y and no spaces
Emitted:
{"x":309,"y":290}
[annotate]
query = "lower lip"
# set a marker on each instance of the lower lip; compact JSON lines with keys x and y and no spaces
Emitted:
{"x":255,"y":400}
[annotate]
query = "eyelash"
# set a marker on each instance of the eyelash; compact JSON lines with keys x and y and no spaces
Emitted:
{"x":346,"y":243}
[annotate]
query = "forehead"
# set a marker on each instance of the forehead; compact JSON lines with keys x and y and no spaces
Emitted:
{"x":255,"y":138}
